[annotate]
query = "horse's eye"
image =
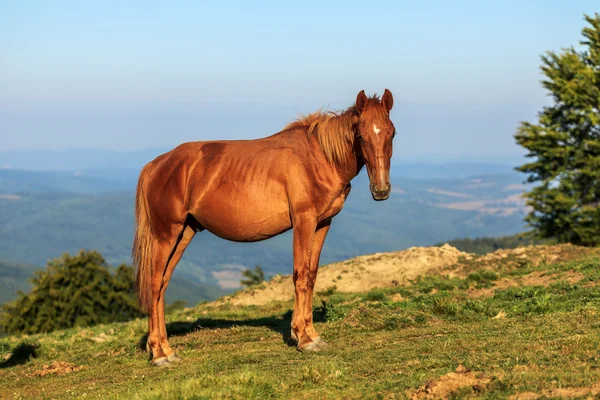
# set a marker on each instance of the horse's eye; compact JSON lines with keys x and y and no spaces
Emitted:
{"x":360,"y":138}
{"x":394,"y":133}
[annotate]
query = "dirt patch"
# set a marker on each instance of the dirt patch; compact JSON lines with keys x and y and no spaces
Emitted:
{"x":565,"y":393}
{"x":537,"y":278}
{"x":57,"y":367}
{"x":445,"y":385}
{"x":101,"y":338}
{"x":510,"y":259}
{"x":359,"y":274}
{"x":396,"y":297}
{"x":525,"y":396}
{"x":381,"y":270}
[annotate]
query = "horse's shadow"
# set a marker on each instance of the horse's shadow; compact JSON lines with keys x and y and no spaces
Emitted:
{"x":20,"y":355}
{"x":277,"y":324}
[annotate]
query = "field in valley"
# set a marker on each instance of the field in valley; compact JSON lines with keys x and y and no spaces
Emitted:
{"x":423,"y":323}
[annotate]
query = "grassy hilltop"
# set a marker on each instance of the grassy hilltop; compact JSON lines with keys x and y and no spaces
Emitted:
{"x":523,"y":323}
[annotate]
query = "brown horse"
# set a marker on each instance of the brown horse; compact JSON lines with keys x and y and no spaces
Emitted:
{"x":251,"y":190}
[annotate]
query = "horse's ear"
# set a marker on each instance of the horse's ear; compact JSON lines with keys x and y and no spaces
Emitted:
{"x":387,"y":100}
{"x":361,"y":101}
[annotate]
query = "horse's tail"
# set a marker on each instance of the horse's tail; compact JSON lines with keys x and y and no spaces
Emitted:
{"x":142,"y":245}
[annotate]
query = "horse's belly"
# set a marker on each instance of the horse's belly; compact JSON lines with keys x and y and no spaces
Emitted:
{"x":243,"y":222}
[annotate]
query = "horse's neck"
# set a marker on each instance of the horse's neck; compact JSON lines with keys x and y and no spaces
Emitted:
{"x":351,"y":167}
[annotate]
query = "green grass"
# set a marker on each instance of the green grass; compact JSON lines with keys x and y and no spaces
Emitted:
{"x":385,"y":342}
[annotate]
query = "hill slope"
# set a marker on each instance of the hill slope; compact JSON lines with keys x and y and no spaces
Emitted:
{"x":519,"y":323}
{"x":359,"y":274}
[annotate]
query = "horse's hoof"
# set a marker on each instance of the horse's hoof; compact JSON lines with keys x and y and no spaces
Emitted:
{"x":161,"y":362}
{"x":310,"y":347}
{"x":174,"y":358}
{"x":320,"y":342}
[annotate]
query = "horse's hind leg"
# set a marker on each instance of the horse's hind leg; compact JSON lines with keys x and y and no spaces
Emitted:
{"x":189,"y":230}
{"x":166,"y":254}
{"x":160,"y":258}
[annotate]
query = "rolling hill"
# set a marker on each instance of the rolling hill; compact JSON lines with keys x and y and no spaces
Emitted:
{"x":14,"y":277}
{"x":46,"y":213}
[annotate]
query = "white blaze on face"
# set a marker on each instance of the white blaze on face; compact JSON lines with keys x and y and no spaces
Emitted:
{"x":376,"y":130}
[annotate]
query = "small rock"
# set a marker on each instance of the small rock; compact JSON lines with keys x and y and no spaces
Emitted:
{"x":100,"y":338}
{"x":500,"y":315}
{"x":478,"y":388}
{"x":461,"y":369}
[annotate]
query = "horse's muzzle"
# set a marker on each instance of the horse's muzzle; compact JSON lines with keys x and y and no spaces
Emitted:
{"x":381,"y":192}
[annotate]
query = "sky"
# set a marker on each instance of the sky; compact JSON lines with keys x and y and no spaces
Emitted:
{"x":127,"y":75}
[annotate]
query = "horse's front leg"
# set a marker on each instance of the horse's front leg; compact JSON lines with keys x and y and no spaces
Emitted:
{"x":315,"y":255}
{"x":304,"y":227}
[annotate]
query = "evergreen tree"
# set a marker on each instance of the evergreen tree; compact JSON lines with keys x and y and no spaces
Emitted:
{"x":565,"y":145}
{"x":253,"y":278}
{"x":73,"y":291}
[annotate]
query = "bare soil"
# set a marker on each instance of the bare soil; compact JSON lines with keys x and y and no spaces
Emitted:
{"x":359,"y":274}
{"x":447,"y":384}
{"x":381,"y":270}
{"x":57,"y":367}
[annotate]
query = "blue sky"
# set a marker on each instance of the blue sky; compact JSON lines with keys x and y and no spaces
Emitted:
{"x":137,"y":74}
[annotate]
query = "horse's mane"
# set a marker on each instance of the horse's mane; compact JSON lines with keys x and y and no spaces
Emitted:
{"x":333,"y":130}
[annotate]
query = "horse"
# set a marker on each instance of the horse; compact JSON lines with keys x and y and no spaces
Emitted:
{"x":251,"y":190}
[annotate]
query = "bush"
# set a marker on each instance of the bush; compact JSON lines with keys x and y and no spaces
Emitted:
{"x":73,"y":291}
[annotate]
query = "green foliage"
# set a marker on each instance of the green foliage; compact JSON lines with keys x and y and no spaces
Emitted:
{"x":253,"y":278}
{"x":482,"y":278}
{"x":376,"y":295}
{"x":73,"y":291}
{"x":176,"y":305}
{"x":329,"y":291}
{"x":565,"y":145}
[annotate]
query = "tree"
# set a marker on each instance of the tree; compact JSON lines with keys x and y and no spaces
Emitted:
{"x":565,"y":145}
{"x":253,"y":278}
{"x":73,"y":291}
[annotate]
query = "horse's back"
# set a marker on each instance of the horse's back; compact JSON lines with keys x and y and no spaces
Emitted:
{"x":235,"y":189}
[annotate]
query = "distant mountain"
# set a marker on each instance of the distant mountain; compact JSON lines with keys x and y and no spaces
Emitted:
{"x":77,"y":159}
{"x":125,"y":165}
{"x":452,"y":170}
{"x":36,"y":225}
{"x":14,"y":277}
{"x":13,"y":181}
{"x":46,"y":213}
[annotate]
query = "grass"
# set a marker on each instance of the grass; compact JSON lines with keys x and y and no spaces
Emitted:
{"x":384,"y":343}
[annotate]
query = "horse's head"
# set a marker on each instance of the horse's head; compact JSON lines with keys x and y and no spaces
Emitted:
{"x":375,"y":132}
